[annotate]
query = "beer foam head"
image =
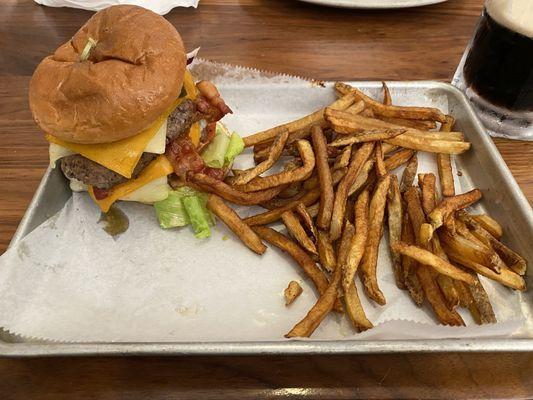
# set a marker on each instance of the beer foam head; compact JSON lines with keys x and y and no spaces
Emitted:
{"x":516,"y":15}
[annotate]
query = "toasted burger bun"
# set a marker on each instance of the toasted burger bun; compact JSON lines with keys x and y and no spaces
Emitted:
{"x":131,"y":77}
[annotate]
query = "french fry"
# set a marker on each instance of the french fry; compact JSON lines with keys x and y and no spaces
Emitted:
{"x":473,"y":251}
{"x":512,"y":259}
{"x":339,"y":204}
{"x":435,"y":298}
{"x":444,"y":164}
{"x":446,"y":208}
{"x":356,"y":108}
{"x":274,"y":153}
{"x":423,"y":113}
{"x":426,"y":182}
{"x":345,"y":244}
{"x":396,"y":159}
{"x":308,"y":158}
{"x":302,"y":124}
{"x":297,"y":253}
{"x":343,"y":159}
{"x":358,"y":242}
{"x":416,"y":213}
{"x":297,"y":231}
{"x":270,"y":216}
{"x":229,"y":193}
{"x":411,"y":123}
{"x":318,"y":312}
{"x":354,"y":308}
{"x":306,"y":220}
{"x":370,"y":135}
{"x":362,"y":177}
{"x":429,"y":196}
{"x":395,"y":214}
{"x":429,"y":145}
{"x":312,"y":210}
{"x":482,"y":303}
{"x":310,"y":197}
{"x":292,"y":292}
{"x":506,"y":276}
{"x":346,"y":123}
{"x":489,"y":224}
{"x":279,"y":202}
{"x":387,"y":99}
{"x":324,"y":179}
{"x":235,"y":223}
{"x":427,"y":276}
{"x":409,"y":266}
{"x":380,"y":165}
{"x":370,"y":258}
{"x":425,"y":257}
{"x":388,"y":148}
{"x":409,"y":173}
{"x":326,"y":254}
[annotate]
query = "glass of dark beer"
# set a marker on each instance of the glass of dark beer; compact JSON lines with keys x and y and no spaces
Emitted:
{"x":497,"y":74}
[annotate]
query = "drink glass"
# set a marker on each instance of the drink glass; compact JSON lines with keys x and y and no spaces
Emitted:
{"x":496,"y":72}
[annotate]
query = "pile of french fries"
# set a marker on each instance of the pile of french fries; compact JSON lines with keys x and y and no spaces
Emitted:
{"x":338,"y":191}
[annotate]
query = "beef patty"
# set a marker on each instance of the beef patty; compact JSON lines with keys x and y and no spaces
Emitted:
{"x":91,"y":173}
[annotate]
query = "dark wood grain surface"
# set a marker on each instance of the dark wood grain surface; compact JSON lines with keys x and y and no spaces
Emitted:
{"x":282,"y":36}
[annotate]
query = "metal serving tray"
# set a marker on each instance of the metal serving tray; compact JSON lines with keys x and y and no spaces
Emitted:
{"x":482,"y":167}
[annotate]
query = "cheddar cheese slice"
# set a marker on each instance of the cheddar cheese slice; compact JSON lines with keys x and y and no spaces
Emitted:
{"x":158,"y":168}
{"x":122,"y":156}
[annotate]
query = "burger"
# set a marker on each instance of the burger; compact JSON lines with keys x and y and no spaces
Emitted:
{"x":121,"y":112}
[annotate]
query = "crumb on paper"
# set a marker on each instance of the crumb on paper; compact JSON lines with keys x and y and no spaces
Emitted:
{"x":225,"y":237}
{"x":188,"y":311}
{"x":292,"y":292}
{"x":315,"y":82}
{"x":459,"y":173}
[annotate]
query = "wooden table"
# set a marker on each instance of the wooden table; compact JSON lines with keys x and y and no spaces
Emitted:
{"x":282,"y":36}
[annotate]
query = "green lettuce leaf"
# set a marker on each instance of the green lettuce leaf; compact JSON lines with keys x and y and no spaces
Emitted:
{"x":215,"y":151}
{"x":198,"y":216}
{"x":235,"y":147}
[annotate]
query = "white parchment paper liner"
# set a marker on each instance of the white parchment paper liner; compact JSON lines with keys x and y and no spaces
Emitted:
{"x":160,"y":7}
{"x":69,"y":281}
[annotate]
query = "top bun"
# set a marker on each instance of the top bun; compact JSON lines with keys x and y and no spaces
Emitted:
{"x":131,"y":77}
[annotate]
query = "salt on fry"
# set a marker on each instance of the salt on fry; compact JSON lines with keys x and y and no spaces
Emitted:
{"x":235,"y":223}
{"x":370,"y":258}
{"x":324,"y":178}
{"x":292,"y":292}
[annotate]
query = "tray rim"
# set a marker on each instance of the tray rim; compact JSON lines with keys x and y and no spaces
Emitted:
{"x":293,"y":347}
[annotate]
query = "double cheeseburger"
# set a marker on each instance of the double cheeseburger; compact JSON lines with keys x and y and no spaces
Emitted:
{"x":120,"y":109}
